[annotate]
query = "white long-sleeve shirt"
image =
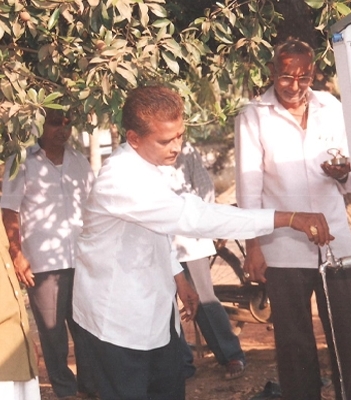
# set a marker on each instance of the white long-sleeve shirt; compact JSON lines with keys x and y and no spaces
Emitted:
{"x":49,"y":199}
{"x":189,"y":175}
{"x":124,"y":283}
{"x":278,"y":166}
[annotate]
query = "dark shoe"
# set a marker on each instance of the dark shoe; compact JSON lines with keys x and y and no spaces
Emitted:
{"x":270,"y":391}
{"x":189,"y":371}
{"x":68,"y":398}
{"x":234,"y":369}
{"x":87,"y":396}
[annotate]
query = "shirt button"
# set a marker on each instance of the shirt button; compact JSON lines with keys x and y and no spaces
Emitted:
{"x":16,"y":293}
{"x":7,"y":265}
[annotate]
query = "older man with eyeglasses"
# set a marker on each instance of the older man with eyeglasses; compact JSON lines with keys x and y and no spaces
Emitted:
{"x":282,"y":142}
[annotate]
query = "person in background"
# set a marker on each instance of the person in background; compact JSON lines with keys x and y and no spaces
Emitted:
{"x":282,"y":143}
{"x":189,"y":175}
{"x":41,"y":210}
{"x":18,"y":364}
{"x":127,"y":275}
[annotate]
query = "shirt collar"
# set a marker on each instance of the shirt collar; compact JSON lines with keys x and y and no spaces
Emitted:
{"x":129,"y":149}
{"x":270,"y":99}
{"x":37,"y":149}
{"x":34,"y":149}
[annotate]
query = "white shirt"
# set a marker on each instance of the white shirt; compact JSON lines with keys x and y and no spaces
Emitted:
{"x":49,"y":200}
{"x":278,"y":166}
{"x":189,"y":175}
{"x":124,"y":283}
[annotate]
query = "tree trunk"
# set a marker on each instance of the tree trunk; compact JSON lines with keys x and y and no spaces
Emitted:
{"x":94,"y":148}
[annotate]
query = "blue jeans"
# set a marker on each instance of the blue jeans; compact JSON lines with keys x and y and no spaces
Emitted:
{"x":211,"y":316}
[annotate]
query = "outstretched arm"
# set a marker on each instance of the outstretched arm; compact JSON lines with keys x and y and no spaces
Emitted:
{"x":313,"y":225}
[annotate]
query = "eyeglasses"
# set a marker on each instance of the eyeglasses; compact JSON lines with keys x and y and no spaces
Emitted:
{"x":288,"y":80}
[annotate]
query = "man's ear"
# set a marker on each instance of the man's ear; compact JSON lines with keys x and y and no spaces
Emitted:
{"x":133,"y":139}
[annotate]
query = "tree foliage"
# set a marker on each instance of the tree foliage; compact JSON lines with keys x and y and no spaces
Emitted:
{"x":84,"y":56}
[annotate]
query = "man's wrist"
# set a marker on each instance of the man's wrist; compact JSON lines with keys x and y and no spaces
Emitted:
{"x":343,"y":178}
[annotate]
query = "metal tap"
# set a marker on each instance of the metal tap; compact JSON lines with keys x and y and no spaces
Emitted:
{"x":334,"y":263}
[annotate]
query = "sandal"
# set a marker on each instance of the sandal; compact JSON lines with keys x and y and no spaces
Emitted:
{"x":234,"y":369}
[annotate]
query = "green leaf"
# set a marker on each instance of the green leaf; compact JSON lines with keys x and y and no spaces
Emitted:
{"x":158,"y":10}
{"x":144,"y":16}
{"x":17,"y":28}
{"x":52,"y":97}
{"x":6,"y":88}
{"x":41,"y":95}
{"x":33,"y":96}
{"x":54,"y":106}
{"x":109,"y":52}
{"x":53,"y":19}
{"x":127,"y":75}
{"x":89,"y":104}
{"x":159,"y":23}
{"x":343,"y":9}
{"x":2,"y":32}
{"x":315,"y":3}
{"x":169,"y":59}
{"x":124,"y":9}
{"x":44,"y":51}
{"x":84,"y":94}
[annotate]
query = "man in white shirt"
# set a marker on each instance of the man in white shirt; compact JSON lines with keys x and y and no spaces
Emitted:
{"x":127,"y":275}
{"x":282,"y":141}
{"x":41,"y":209}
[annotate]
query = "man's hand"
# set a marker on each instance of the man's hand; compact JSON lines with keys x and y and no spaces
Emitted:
{"x":254,"y":265}
{"x":338,"y":172}
{"x":188,"y":296}
{"x":23,"y":271}
{"x":314,"y":225}
{"x":11,"y":222}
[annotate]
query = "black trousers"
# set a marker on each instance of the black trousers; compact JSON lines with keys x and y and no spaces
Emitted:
{"x":126,"y":374}
{"x":290,"y":291}
{"x":51,"y":303}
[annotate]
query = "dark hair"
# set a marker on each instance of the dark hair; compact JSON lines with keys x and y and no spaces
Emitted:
{"x":56,"y":117}
{"x":148,"y":103}
{"x":292,"y":46}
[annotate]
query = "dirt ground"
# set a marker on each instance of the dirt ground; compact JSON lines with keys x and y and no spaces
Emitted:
{"x":257,"y":340}
{"x":208,"y":383}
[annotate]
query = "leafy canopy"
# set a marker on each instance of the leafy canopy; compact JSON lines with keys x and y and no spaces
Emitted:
{"x":84,"y":55}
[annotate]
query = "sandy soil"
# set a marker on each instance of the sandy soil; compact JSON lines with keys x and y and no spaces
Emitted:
{"x":256,"y":339}
{"x":208,"y":383}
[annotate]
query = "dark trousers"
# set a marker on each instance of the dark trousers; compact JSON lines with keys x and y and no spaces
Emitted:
{"x":51,"y":304}
{"x":126,"y":374}
{"x":290,"y":291}
{"x":214,"y":322}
